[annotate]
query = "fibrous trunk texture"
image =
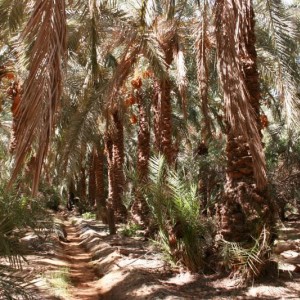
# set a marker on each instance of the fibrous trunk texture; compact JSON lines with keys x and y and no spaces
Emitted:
{"x":15,"y":93}
{"x":245,"y":210}
{"x":92,"y":179}
{"x":162,"y":94}
{"x":115,"y":160}
{"x":101,"y":212}
{"x":140,"y":210}
{"x":111,"y":183}
{"x":82,"y":176}
{"x":118,"y":161}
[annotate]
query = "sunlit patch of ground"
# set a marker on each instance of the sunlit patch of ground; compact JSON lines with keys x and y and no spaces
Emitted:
{"x":89,"y":265}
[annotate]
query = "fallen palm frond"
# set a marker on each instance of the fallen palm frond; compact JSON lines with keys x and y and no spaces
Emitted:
{"x":246,"y":262}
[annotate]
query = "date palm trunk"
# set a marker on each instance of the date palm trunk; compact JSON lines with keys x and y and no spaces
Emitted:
{"x":118,"y":161}
{"x":162,"y":105}
{"x":140,"y":210}
{"x":111,"y":182}
{"x":92,"y":179}
{"x":101,"y":211}
{"x":245,"y":211}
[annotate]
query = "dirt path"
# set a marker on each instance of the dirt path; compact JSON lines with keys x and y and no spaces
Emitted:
{"x":100,"y":266}
{"x":81,"y":274}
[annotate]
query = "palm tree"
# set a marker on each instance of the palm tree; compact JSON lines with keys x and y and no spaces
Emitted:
{"x":140,"y":210}
{"x":117,"y":162}
{"x":246,"y":212}
{"x":101,"y":213}
{"x":92,"y":177}
{"x":166,"y":32}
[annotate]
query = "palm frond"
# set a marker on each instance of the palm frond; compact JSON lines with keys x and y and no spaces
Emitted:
{"x":181,"y":77}
{"x":277,"y":34}
{"x":12,"y":14}
{"x":125,"y":66}
{"x":202,"y":49}
{"x":151,"y":50}
{"x":43,"y":87}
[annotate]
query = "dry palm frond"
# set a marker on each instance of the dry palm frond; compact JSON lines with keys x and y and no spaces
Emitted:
{"x":202,"y":48}
{"x":46,"y":29}
{"x":181,"y":77}
{"x":125,"y":66}
{"x":232,"y":26}
{"x":151,"y":49}
{"x":148,"y":11}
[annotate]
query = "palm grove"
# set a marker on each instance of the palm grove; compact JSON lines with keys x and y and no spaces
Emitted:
{"x":175,"y":115}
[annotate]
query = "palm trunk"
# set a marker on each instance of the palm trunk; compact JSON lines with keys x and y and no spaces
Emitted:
{"x":118,"y":161}
{"x":163,"y":115}
{"x":245,"y":209}
{"x":15,"y":93}
{"x":140,"y":210}
{"x":111,"y":184}
{"x":101,"y":211}
{"x":92,"y":179}
{"x":82,"y":176}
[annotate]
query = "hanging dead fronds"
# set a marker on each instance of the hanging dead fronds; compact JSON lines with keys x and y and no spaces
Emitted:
{"x":202,"y":48}
{"x":45,"y":32}
{"x":232,"y":27}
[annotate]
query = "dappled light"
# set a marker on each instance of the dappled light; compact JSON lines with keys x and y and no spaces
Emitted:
{"x":149,"y":149}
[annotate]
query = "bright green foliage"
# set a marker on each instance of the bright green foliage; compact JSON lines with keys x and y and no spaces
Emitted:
{"x":16,"y":213}
{"x":89,"y":216}
{"x":175,"y":207}
{"x":130,"y":229}
{"x":59,"y":282}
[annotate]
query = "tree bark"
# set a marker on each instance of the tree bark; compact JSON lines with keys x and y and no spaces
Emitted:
{"x":92,"y":178}
{"x":140,"y":210}
{"x":118,"y":161}
{"x":162,"y":103}
{"x":101,"y":211}
{"x":245,"y":209}
{"x":111,"y":184}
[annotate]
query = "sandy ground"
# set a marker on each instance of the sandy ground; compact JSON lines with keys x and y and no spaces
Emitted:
{"x":89,"y":264}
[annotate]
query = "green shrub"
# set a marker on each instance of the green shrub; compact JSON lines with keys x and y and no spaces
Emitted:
{"x":50,"y":196}
{"x":17,"y":212}
{"x":88,"y":216}
{"x":175,"y":207}
{"x":130,"y":229}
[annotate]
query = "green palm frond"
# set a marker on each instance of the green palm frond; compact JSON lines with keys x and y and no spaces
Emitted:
{"x":157,"y":169}
{"x":81,"y":129}
{"x":175,"y":208}
{"x":151,"y":50}
{"x":12,"y":14}
{"x":277,"y":35}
